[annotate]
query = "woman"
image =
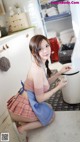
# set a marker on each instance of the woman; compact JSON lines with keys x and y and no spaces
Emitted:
{"x":36,"y":88}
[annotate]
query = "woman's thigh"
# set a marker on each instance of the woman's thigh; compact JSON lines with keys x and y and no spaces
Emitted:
{"x":19,"y":118}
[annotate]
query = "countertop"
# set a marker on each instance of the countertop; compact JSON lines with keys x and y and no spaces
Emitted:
{"x":10,"y":36}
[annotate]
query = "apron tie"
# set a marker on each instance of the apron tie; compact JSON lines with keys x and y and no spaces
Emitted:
{"x":21,"y":90}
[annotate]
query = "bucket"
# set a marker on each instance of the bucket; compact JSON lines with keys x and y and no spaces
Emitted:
{"x":71,"y":92}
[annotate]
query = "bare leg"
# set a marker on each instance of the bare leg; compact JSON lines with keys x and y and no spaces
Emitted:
{"x":32,"y":125}
{"x":29,"y":126}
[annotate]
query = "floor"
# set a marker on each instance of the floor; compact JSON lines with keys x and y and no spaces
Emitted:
{"x":65,"y":128}
{"x":58,"y":104}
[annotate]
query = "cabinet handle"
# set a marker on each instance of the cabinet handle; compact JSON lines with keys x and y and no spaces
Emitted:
{"x":4,"y":48}
{"x":27,"y":35}
{"x":7,"y":46}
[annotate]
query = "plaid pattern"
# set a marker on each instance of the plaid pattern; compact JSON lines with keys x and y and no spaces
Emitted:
{"x":21,"y":106}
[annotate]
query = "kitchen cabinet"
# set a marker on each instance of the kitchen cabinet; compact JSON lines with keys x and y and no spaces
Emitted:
{"x":20,"y":60}
{"x":56,"y":17}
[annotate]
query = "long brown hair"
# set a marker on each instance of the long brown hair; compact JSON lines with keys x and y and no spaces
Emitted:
{"x":35,"y":47}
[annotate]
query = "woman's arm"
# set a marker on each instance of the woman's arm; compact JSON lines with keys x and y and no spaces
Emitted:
{"x":43,"y":97}
{"x":54,"y":77}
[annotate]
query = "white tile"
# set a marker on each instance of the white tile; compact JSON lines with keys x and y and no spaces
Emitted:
{"x":65,"y":128}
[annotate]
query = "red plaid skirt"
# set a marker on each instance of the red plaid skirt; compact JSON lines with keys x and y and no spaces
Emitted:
{"x":19,"y":105}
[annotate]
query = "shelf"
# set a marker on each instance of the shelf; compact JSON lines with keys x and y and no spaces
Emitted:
{"x":57,"y":17}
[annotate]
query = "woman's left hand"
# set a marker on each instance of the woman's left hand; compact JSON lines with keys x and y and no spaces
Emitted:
{"x":65,"y":69}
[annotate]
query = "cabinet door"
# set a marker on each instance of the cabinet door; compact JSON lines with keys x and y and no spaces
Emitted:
{"x":20,"y":59}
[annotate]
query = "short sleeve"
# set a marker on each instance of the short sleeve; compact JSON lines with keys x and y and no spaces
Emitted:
{"x":38,"y":82}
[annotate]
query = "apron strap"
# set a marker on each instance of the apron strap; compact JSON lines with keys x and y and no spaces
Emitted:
{"x":21,"y":90}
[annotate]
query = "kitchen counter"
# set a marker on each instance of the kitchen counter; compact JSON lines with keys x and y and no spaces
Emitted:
{"x":3,"y":40}
{"x":20,"y":59}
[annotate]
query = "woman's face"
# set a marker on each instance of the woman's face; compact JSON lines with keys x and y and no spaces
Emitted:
{"x":45,"y":51}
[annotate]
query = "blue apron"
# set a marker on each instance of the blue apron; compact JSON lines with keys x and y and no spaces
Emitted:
{"x":41,"y":110}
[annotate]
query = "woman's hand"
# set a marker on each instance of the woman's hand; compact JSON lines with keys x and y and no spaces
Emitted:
{"x":62,"y":83}
{"x":64,"y":69}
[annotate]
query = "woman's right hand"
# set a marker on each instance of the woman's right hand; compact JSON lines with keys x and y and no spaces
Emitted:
{"x":62,"y":83}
